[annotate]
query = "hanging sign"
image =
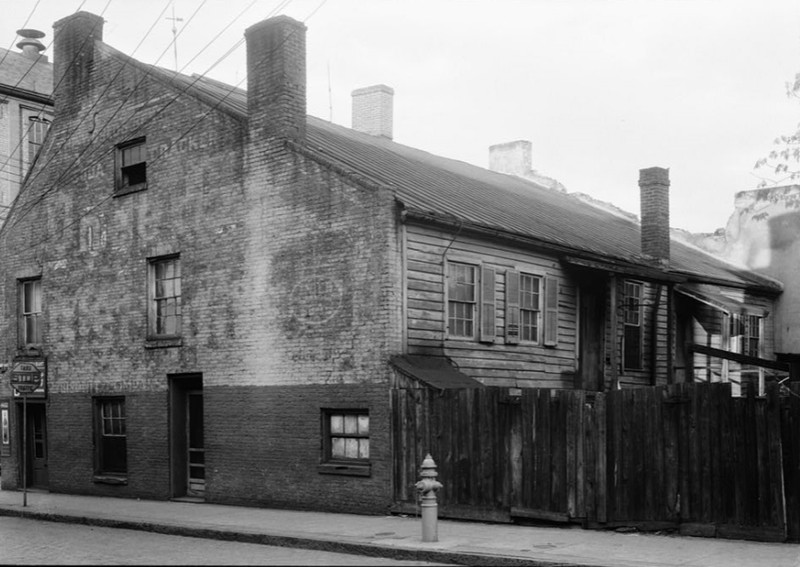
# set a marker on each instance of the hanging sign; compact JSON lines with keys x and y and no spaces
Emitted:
{"x":27,"y":377}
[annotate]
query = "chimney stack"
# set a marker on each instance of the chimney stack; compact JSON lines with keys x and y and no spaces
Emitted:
{"x":511,"y":158}
{"x":30,"y":45}
{"x":73,"y":57}
{"x":276,"y":78}
{"x":373,"y":109}
{"x":654,"y":191}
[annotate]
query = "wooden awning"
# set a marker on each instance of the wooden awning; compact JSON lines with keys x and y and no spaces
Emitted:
{"x":434,"y":371}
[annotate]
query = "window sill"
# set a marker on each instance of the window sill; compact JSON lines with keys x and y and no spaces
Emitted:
{"x":110,"y":479}
{"x":360,"y":469}
{"x":131,"y":189}
{"x":163,"y":343}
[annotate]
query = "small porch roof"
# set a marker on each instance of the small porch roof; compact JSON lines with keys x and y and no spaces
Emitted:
{"x":713,"y":296}
{"x":434,"y":371}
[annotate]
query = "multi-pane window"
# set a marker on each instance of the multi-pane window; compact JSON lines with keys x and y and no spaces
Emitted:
{"x":461,"y":299}
{"x":132,"y":166}
{"x":37,"y":130}
{"x":165,"y":297}
{"x":112,"y":440}
{"x":632,"y":313}
{"x":30,"y":292}
{"x":347,"y":435}
{"x":745,"y":334}
{"x":530,"y":308}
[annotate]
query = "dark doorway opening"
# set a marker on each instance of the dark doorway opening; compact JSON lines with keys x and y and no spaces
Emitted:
{"x":186,"y":436}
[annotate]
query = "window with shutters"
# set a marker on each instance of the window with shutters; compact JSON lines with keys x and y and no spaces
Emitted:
{"x":632,"y":314}
{"x":131,"y":167}
{"x":530,"y":308}
{"x":462,"y":295}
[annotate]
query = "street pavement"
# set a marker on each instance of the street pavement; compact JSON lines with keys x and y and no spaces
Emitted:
{"x":400,"y":537}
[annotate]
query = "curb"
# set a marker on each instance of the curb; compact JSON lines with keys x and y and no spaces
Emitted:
{"x":434,"y":556}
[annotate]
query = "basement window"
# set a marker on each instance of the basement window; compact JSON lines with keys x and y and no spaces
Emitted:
{"x":131,"y":167}
{"x":345,"y":442}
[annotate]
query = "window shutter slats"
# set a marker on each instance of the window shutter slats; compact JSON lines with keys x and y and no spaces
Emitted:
{"x":551,"y":311}
{"x":512,"y":307}
{"x":487,"y":304}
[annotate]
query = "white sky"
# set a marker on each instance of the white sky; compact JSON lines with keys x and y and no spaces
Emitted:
{"x":602,"y":88}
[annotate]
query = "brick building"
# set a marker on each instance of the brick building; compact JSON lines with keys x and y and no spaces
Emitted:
{"x":26,"y":110}
{"x":221,"y":292}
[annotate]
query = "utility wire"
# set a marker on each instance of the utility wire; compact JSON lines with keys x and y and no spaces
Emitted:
{"x":220,"y":101}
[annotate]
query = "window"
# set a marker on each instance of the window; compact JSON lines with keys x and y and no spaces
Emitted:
{"x":112,"y":444}
{"x":745,"y":332}
{"x":132,"y":167}
{"x":165,"y":297}
{"x":37,"y":130}
{"x":30,"y":327}
{"x":461,"y":299}
{"x":530,"y":309}
{"x":345,"y":442}
{"x":632,"y":340}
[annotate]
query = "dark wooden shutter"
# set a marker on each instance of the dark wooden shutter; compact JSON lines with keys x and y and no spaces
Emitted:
{"x":550,"y":311}
{"x":512,"y":307}
{"x":487,"y":305}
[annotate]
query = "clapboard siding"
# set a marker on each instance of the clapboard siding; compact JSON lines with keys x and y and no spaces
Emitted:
{"x":497,"y":363}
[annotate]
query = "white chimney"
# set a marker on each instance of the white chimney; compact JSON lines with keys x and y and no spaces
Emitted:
{"x":373,"y":109}
{"x":512,"y":158}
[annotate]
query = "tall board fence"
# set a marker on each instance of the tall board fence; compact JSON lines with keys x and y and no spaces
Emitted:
{"x":685,"y":456}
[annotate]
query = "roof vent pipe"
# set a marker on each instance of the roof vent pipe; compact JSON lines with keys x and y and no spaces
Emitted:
{"x":30,"y":45}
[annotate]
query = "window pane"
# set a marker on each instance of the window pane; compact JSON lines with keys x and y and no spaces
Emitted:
{"x":350,"y":425}
{"x":363,"y":425}
{"x":337,"y":448}
{"x":337,"y":424}
{"x":351,"y":448}
{"x":363,"y":449}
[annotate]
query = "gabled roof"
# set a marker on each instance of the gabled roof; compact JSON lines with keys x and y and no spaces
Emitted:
{"x":441,"y":188}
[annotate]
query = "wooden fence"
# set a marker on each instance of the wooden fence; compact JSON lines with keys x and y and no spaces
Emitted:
{"x":685,"y":456}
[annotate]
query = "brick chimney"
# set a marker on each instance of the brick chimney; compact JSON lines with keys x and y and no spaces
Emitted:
{"x":73,"y":57}
{"x":372,"y":110}
{"x":512,"y":158}
{"x":276,"y":78}
{"x":654,"y":190}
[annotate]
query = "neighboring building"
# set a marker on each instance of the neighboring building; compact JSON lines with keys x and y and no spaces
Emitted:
{"x":26,"y":110}
{"x":223,"y":291}
{"x":763,"y":234}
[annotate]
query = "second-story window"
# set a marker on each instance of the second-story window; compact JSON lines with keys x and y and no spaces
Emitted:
{"x":165,"y":297}
{"x":30,"y":299}
{"x":37,"y":130}
{"x":461,"y":299}
{"x":131,"y":166}
{"x":632,"y":341}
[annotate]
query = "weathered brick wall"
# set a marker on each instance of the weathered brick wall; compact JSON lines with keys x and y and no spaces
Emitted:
{"x":265,"y":445}
{"x":290,"y":277}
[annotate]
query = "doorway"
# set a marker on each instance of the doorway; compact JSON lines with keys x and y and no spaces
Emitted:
{"x":591,"y":364}
{"x":187,"y":437}
{"x":36,"y":432}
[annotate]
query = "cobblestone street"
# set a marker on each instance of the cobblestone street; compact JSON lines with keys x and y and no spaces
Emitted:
{"x":33,"y":542}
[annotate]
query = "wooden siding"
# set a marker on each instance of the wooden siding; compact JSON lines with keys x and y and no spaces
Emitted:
{"x":498,"y":364}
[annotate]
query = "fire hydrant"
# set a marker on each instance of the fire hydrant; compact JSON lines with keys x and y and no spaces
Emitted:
{"x":427,"y":488}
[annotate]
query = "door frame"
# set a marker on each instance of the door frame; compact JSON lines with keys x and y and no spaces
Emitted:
{"x":179,"y":387}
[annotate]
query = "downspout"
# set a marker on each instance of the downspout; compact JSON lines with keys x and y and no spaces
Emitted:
{"x":670,"y":334}
{"x":654,"y":338}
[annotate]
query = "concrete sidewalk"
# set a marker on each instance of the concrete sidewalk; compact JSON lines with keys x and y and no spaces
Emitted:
{"x":400,"y":537}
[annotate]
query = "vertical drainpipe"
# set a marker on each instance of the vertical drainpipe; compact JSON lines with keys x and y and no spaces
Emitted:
{"x":670,"y":334}
{"x":614,"y":354}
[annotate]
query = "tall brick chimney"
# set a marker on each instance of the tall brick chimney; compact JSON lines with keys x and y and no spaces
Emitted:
{"x":73,"y":57}
{"x":373,"y":110}
{"x":276,"y":78}
{"x":654,"y":190}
